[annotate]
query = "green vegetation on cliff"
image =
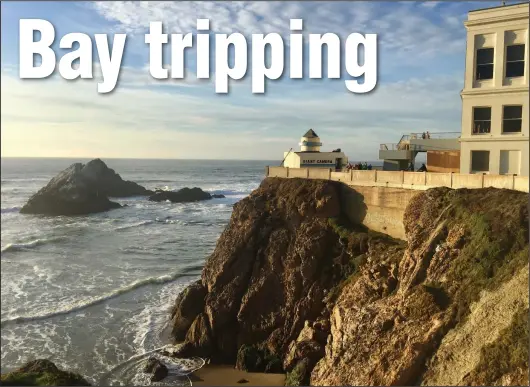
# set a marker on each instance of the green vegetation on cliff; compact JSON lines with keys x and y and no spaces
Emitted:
{"x":42,"y":372}
{"x":489,"y":228}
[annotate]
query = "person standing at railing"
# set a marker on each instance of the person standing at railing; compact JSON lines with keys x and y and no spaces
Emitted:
{"x":423,"y":168}
{"x":428,"y":135}
{"x":423,"y":136}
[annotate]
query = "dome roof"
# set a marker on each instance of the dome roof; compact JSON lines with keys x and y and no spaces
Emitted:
{"x":310,"y":134}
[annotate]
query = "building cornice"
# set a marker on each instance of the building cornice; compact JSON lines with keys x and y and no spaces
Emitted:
{"x":523,"y":18}
{"x":481,"y":138}
{"x":494,"y":91}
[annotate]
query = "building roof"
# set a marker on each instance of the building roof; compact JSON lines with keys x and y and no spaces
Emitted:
{"x":310,"y":133}
{"x":501,"y":6}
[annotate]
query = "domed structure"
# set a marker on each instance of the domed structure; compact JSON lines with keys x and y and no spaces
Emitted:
{"x":310,"y":155}
{"x":310,"y":142}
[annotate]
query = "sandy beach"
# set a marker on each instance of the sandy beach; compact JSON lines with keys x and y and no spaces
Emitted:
{"x":225,"y":375}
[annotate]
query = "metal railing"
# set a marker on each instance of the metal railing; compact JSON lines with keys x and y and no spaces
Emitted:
{"x":432,"y":136}
{"x":399,"y":146}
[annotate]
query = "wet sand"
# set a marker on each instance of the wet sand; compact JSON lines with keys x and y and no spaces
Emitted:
{"x":225,"y":375}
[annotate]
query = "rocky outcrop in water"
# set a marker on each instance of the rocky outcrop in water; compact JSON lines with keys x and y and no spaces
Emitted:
{"x":341,"y":305}
{"x":183,"y":195}
{"x":157,"y":370}
{"x":82,"y":189}
{"x":42,"y":372}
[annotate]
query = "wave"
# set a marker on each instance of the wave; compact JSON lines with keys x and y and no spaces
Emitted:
{"x":11,"y":247}
{"x":75,"y":307}
{"x":139,"y":224}
{"x":154,"y":181}
{"x":10,"y":209}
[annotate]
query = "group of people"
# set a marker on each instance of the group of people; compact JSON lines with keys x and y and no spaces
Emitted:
{"x":423,"y":168}
{"x":426,"y":136}
{"x":359,"y":166}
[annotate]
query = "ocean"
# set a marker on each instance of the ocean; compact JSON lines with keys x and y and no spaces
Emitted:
{"x":93,"y":293}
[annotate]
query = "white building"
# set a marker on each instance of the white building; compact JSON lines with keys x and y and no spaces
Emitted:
{"x":495,"y":122}
{"x":311,"y":156}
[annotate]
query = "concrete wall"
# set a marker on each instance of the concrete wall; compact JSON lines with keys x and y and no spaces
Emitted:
{"x":406,"y":180}
{"x":365,"y":176}
{"x":461,"y":180}
{"x":438,"y":179}
{"x":520,"y":183}
{"x":378,"y":199}
{"x":319,"y":173}
{"x":416,"y":178}
{"x":378,"y":208}
{"x":298,"y":172}
{"x":395,"y":177}
{"x":499,"y":181}
{"x":341,"y":176}
{"x":277,"y":171}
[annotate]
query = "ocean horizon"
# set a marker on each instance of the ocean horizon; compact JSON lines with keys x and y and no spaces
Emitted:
{"x":93,"y":292}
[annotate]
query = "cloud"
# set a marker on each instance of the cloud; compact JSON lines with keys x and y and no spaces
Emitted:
{"x":51,"y":117}
{"x":399,"y":25}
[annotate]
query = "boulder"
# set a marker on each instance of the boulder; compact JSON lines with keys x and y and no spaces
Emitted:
{"x":183,"y":195}
{"x":188,"y":305}
{"x":157,"y":370}
{"x":252,"y":359}
{"x":42,"y":372}
{"x":81,"y":189}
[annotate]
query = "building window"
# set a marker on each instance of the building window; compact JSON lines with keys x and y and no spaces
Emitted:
{"x":512,"y":119}
{"x":510,"y":162}
{"x":481,"y":120}
{"x":480,"y":161}
{"x":484,"y":63}
{"x":515,"y":61}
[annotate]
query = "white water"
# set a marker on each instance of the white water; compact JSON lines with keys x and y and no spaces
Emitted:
{"x":93,"y":293}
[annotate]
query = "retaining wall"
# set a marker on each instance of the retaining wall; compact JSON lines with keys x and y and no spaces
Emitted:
{"x":407,"y":180}
{"x":378,"y":199}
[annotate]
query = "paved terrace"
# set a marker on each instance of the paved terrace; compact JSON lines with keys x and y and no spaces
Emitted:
{"x":406,"y":180}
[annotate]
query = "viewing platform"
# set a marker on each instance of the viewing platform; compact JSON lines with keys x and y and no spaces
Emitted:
{"x":398,"y":156}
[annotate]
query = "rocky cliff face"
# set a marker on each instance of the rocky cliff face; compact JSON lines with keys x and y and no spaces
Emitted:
{"x":341,"y":305}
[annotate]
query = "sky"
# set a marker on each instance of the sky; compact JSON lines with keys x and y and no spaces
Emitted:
{"x":421,"y":47}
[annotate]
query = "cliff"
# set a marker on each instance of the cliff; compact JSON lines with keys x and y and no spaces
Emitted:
{"x":293,"y":285}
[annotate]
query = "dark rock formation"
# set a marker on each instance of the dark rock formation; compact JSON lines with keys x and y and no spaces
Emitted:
{"x":42,"y":372}
{"x":189,"y":304}
{"x":271,"y":270}
{"x":82,"y":189}
{"x":342,"y":305}
{"x":252,"y":359}
{"x":157,"y":370}
{"x":183,"y":195}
